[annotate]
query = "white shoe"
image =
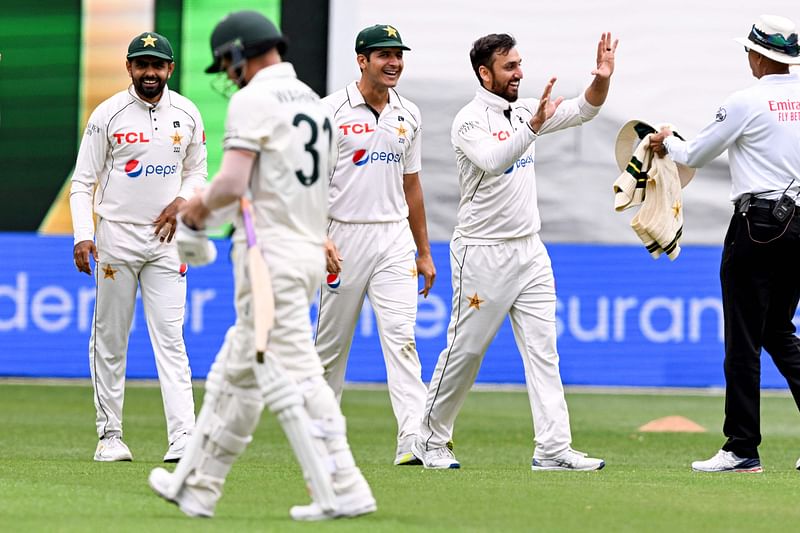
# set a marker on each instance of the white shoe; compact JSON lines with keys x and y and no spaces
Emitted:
{"x":405,"y":453}
{"x":569,"y":460}
{"x":436,"y":458}
{"x":176,"y":448}
{"x":728,"y":462}
{"x":112,"y":449}
{"x":160,"y":480}
{"x":797,"y":464}
{"x":350,"y":504}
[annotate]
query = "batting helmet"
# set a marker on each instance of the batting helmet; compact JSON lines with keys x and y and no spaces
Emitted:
{"x":243,"y":34}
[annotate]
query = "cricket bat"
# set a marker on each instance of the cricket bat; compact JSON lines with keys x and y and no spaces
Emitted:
{"x":260,"y":284}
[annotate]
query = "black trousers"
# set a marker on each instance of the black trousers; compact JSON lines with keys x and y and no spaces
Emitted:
{"x":760,"y":291}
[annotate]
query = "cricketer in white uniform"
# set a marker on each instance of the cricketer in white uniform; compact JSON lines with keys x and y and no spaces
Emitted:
{"x":142,"y":154}
{"x":278,"y":148}
{"x":499,"y":264}
{"x":378,"y":229}
{"x":760,"y":129}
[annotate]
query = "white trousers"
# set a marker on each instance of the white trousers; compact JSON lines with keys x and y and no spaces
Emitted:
{"x":296,"y":269}
{"x":131,"y":257}
{"x":378,"y":262}
{"x":512,"y":278}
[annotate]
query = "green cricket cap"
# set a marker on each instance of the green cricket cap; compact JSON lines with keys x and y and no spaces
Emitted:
{"x":150,"y":44}
{"x":379,"y":36}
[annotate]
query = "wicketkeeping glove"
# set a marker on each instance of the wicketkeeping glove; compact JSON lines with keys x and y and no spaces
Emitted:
{"x":194,"y":247}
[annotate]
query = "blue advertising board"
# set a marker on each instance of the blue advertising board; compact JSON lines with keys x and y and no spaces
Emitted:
{"x":624,"y":319}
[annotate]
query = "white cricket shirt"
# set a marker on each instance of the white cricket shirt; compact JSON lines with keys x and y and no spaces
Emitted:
{"x":374,"y":152}
{"x":287,"y":125}
{"x":141,"y":156}
{"x":495,"y":153}
{"x":760,"y":128}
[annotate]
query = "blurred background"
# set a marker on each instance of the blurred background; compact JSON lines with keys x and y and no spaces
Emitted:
{"x":624,"y":318}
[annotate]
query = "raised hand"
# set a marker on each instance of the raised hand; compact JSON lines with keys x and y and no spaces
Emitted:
{"x":546,"y":108}
{"x":605,"y":56}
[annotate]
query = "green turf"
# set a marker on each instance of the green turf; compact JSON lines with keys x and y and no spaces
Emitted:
{"x":48,"y":481}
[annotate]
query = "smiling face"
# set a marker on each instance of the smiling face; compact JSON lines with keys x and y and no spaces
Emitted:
{"x":149,"y":75}
{"x":381,"y":67}
{"x":504,"y":75}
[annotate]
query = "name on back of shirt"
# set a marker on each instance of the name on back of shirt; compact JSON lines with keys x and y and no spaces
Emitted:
{"x":294,"y":95}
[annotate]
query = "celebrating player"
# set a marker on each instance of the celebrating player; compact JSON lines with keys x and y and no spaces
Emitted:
{"x":499,"y":264}
{"x":278,"y":144}
{"x":377,"y":215}
{"x":144,"y":152}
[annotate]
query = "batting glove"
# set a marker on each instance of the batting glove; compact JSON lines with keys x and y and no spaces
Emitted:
{"x":194,"y":247}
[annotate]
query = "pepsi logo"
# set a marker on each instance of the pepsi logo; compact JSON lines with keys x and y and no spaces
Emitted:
{"x":183,"y":269}
{"x":360,"y":157}
{"x":333,"y":281}
{"x":133,"y":168}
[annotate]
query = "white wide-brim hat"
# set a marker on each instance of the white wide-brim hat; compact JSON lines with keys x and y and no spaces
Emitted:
{"x":773,"y":37}
{"x":629,"y":138}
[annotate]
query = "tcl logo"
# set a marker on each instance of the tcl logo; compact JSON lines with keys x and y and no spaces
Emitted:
{"x":502,"y":135}
{"x":131,"y":137}
{"x":355,"y":129}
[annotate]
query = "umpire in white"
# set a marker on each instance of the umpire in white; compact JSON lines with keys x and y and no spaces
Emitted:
{"x":760,"y":129}
{"x":142,"y":154}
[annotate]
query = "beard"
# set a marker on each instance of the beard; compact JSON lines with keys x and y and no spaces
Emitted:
{"x":149,"y":92}
{"x":506,"y":91}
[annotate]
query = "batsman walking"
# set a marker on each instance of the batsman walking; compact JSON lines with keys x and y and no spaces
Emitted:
{"x":278,"y":150}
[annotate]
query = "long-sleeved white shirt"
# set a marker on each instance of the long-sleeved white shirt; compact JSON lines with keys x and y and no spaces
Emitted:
{"x":374,"y":153}
{"x":495,"y":155}
{"x":760,"y":128}
{"x":140,"y":157}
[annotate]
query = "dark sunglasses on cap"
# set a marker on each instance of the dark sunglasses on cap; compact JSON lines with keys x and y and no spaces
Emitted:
{"x":775,"y":41}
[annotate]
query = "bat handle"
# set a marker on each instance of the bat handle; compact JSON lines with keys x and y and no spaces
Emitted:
{"x":247,"y":218}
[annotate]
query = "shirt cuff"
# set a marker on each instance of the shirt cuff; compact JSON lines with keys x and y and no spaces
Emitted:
{"x":83,"y":235}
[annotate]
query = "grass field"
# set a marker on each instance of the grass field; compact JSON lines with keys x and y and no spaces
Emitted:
{"x":48,"y":481}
